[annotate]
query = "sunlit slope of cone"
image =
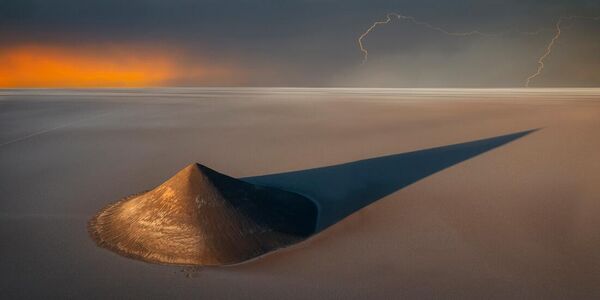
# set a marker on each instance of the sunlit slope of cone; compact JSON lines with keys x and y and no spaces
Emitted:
{"x":202,"y":217}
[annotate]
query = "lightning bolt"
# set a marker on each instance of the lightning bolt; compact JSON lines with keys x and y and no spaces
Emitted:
{"x":552,"y":43}
{"x":390,"y":16}
{"x":362,"y":36}
{"x":541,"y":60}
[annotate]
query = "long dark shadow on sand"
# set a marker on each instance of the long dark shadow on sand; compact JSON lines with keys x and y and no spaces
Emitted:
{"x":340,"y":190}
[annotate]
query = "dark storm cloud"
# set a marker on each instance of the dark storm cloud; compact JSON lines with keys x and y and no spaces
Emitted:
{"x":310,"y":42}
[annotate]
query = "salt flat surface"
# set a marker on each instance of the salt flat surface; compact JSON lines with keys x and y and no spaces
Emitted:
{"x":518,"y":221}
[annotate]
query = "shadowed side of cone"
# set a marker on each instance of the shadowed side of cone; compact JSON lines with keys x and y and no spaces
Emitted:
{"x":202,"y":217}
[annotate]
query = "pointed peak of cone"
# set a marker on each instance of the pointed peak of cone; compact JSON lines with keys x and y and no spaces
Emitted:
{"x":192,"y":170}
{"x":188,"y":171}
{"x":193,"y":176}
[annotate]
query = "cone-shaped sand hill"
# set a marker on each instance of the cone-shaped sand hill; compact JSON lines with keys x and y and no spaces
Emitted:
{"x":202,"y":217}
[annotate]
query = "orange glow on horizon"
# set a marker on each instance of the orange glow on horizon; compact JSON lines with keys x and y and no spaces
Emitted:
{"x":109,"y":66}
{"x":43,"y":66}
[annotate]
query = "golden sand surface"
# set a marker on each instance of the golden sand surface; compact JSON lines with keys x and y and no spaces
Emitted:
{"x":201,"y":217}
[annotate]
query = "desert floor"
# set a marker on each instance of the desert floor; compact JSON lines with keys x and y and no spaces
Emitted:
{"x":520,"y":220}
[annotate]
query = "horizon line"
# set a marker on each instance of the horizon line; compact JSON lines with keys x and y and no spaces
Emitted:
{"x":297,"y":87}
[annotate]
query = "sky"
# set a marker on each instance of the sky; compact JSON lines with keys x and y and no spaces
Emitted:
{"x":303,"y":43}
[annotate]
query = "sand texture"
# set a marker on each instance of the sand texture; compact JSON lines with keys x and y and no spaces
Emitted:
{"x":494,"y":195}
{"x":202,"y":217}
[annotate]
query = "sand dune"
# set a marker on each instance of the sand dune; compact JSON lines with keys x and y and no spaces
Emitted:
{"x":202,"y":217}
